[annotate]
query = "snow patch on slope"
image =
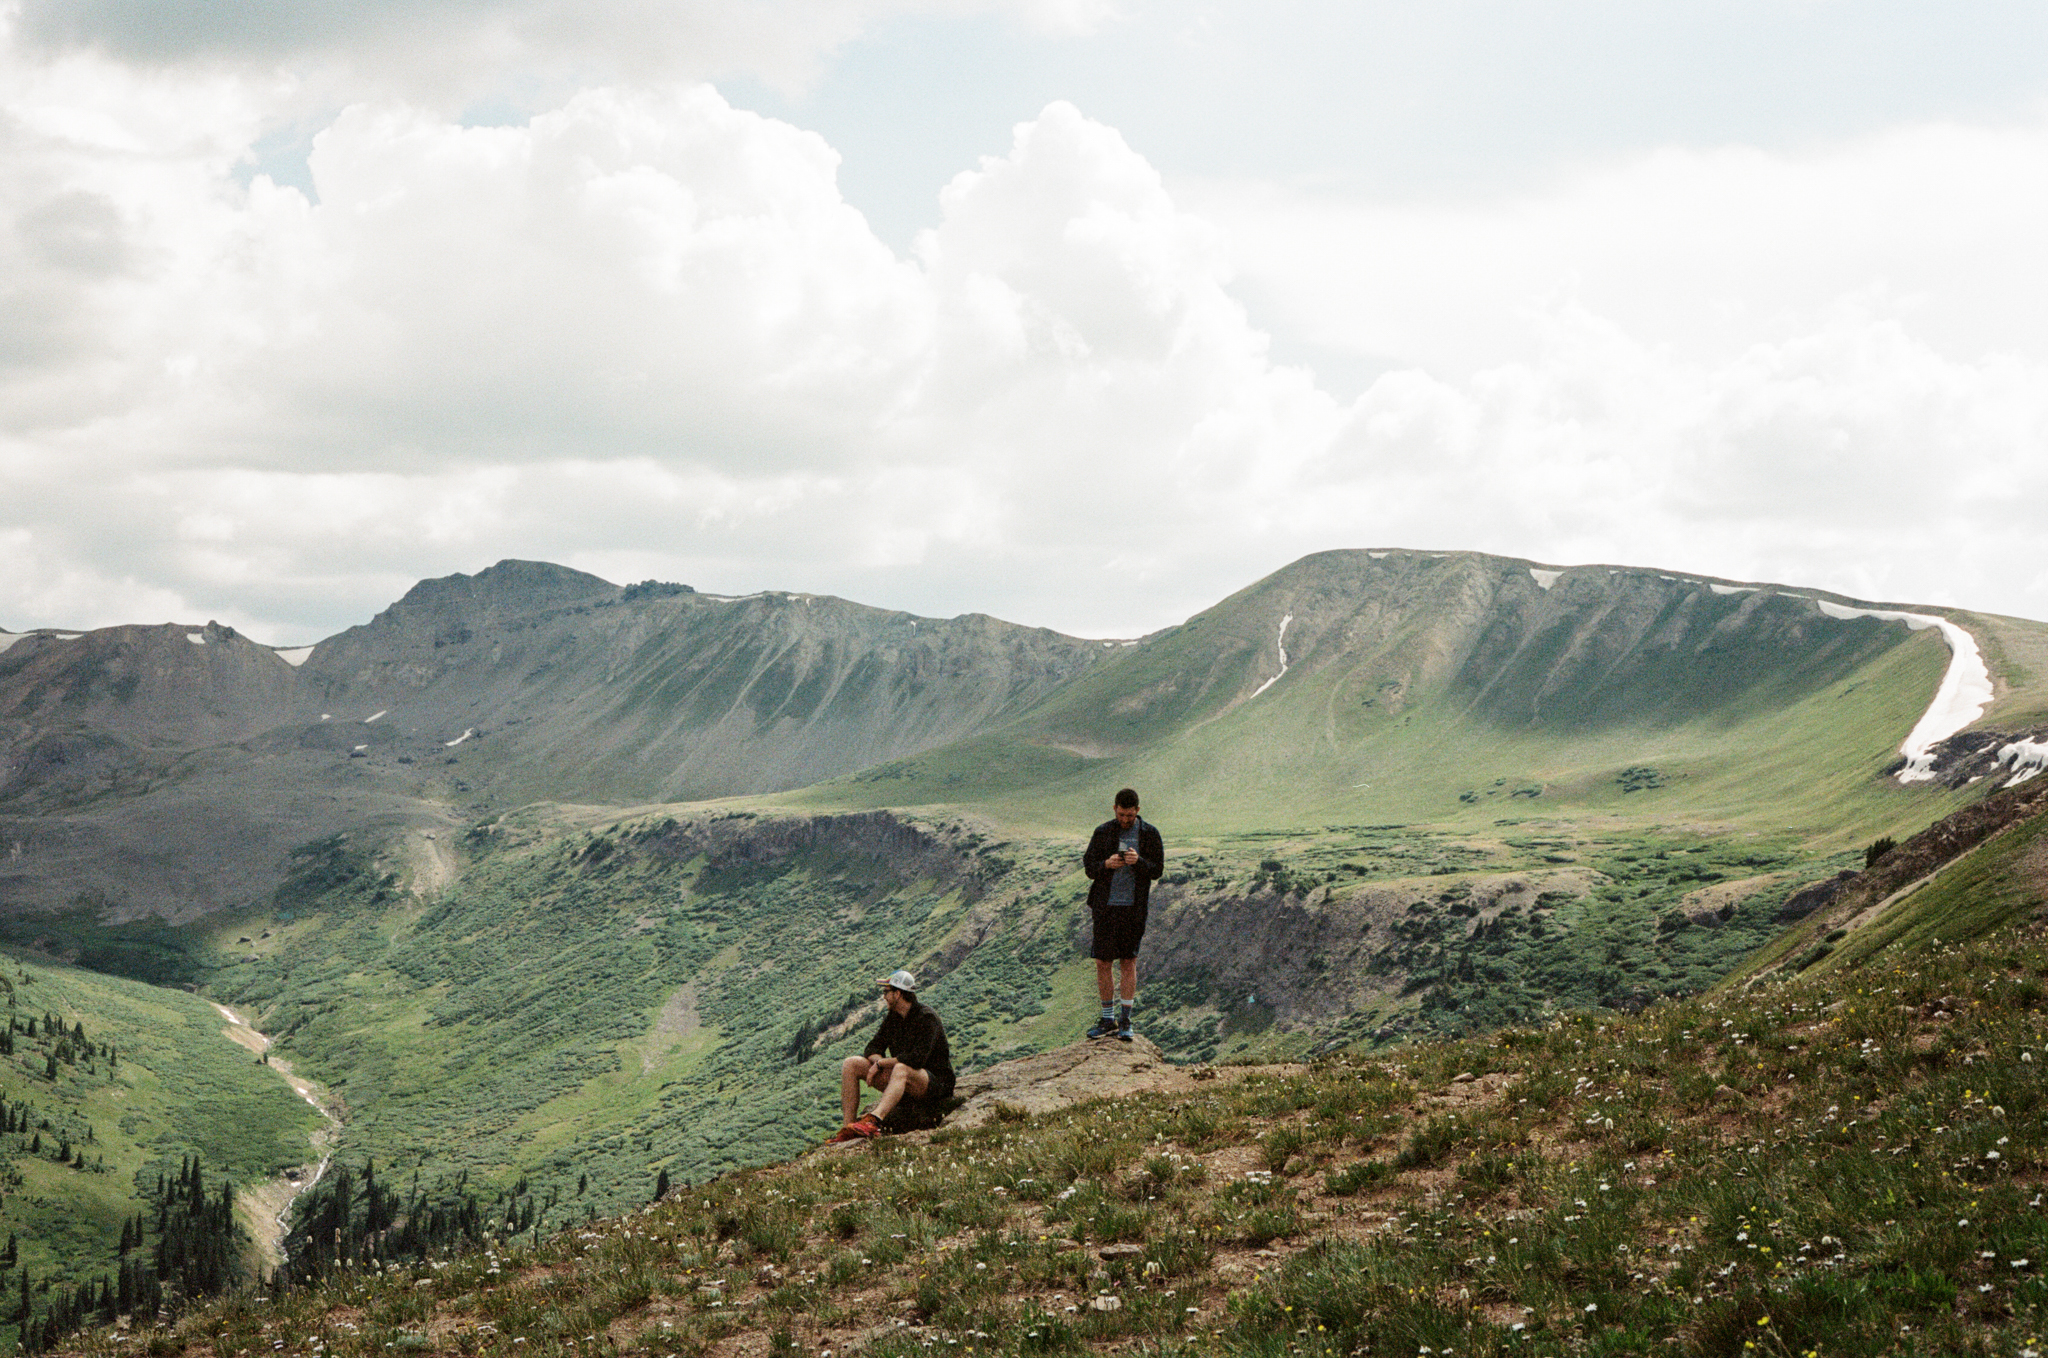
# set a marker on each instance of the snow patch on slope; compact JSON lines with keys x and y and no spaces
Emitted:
{"x":1544,"y":579}
{"x":1732,"y":589}
{"x":2028,"y":758}
{"x":1282,"y":647}
{"x":451,"y":744}
{"x":1964,"y":693}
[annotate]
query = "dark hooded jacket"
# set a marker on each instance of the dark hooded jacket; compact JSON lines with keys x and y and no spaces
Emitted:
{"x":1151,"y":862}
{"x":918,"y":1040}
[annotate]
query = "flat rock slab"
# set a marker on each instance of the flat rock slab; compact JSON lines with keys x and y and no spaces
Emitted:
{"x":1100,"y":1069}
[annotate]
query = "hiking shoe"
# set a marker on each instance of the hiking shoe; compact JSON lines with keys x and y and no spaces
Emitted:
{"x":1123,"y":1023}
{"x":862,"y":1128}
{"x":1104,"y":1027}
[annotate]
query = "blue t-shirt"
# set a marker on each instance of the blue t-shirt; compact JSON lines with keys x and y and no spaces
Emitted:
{"x":1123,"y":883}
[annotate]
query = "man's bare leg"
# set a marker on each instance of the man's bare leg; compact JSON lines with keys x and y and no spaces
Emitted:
{"x":852,"y":1071}
{"x":1105,"y":989}
{"x":895,"y":1082}
{"x":1129,"y":967}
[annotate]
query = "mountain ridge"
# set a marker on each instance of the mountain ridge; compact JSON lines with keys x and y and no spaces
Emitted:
{"x":534,"y":682}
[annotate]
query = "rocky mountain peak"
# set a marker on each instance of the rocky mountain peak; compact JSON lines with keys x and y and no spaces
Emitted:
{"x":511,"y":586}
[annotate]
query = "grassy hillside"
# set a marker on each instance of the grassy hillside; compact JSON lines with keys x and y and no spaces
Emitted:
{"x":1843,"y":1162}
{"x":590,"y":1005}
{"x":154,"y":1080}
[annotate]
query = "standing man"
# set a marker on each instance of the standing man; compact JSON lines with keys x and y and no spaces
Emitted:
{"x":906,"y":1059}
{"x":1124,"y":858}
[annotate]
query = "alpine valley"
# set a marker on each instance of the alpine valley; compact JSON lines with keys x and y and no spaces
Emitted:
{"x":535,"y":888}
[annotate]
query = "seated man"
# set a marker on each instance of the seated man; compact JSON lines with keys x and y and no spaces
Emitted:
{"x":906,"y":1059}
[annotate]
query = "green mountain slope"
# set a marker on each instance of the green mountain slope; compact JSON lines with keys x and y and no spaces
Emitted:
{"x":153,"y":1080}
{"x":1457,"y":688}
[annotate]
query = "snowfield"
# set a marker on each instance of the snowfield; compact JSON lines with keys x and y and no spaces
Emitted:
{"x":1281,"y":646}
{"x":1964,"y":693}
{"x":2028,"y":758}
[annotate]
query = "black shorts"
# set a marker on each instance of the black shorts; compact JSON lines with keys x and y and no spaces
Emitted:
{"x":1118,"y":931}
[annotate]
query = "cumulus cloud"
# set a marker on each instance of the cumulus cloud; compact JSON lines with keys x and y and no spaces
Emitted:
{"x":641,"y":332}
{"x":447,"y":51}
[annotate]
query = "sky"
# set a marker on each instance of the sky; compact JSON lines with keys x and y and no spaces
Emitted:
{"x":1083,"y":313}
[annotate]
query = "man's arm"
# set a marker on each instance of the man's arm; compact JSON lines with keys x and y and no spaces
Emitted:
{"x":1151,"y":854}
{"x":1100,"y":846}
{"x":878,"y":1045}
{"x":914,"y":1043}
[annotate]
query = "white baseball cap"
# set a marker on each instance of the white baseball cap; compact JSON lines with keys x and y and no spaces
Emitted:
{"x":899,"y":980}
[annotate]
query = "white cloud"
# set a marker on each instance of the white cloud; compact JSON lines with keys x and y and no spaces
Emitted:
{"x":1820,"y":367}
{"x":1703,"y":250}
{"x":642,"y":333}
{"x":445,"y":52}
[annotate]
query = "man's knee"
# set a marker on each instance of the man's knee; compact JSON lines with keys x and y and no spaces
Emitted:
{"x":856,"y":1066}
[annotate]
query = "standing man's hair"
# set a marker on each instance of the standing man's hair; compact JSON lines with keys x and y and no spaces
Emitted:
{"x":1126,"y":797}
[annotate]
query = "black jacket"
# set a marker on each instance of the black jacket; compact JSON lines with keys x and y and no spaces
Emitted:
{"x":918,"y":1040}
{"x":1151,"y":862}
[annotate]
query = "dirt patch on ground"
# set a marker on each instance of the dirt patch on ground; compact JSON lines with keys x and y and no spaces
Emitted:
{"x":1708,"y":902}
{"x":430,"y":860}
{"x":676,"y":1021}
{"x":240,"y":1033}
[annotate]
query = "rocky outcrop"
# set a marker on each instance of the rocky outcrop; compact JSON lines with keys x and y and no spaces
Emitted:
{"x":1935,"y":847}
{"x":1808,"y":899}
{"x":1049,"y":1081}
{"x":2006,"y":758}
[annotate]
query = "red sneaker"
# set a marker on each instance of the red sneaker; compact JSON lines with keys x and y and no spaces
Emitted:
{"x":864,"y":1127}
